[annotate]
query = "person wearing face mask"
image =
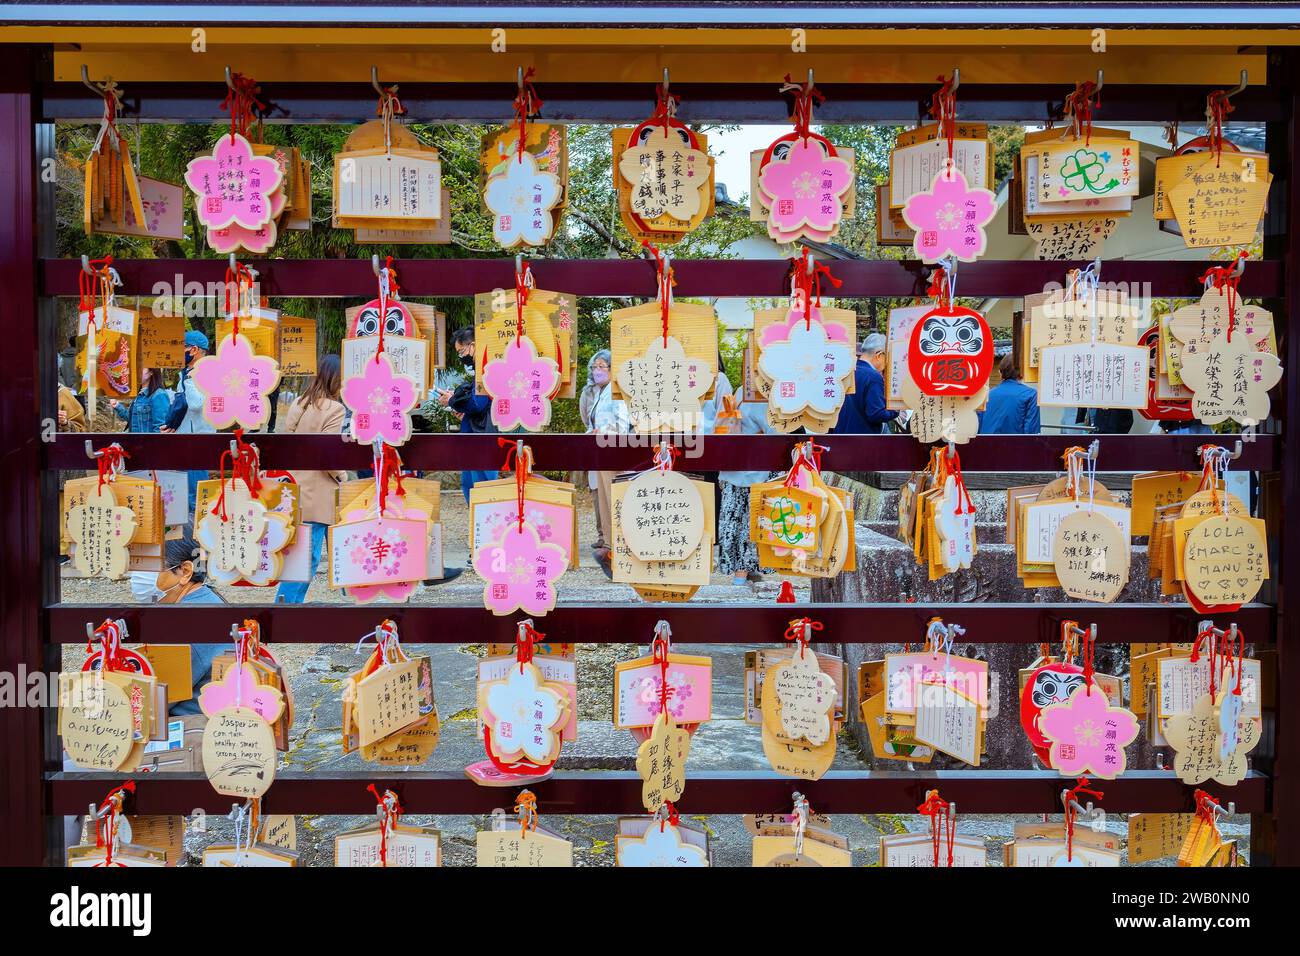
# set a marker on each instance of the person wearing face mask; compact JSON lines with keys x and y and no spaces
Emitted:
{"x":317,"y":411}
{"x":186,"y":416}
{"x":474,"y":411}
{"x":597,"y":379}
{"x":182,"y":581}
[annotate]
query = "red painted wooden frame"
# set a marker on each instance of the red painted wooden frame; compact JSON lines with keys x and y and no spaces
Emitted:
{"x":634,"y":623}
{"x":612,"y":791}
{"x":636,"y":277}
{"x":847,"y":453}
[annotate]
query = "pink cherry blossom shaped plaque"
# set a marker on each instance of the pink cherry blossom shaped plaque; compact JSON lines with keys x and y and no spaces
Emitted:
{"x":381,"y":403}
{"x":232,"y":185}
{"x":521,"y":384}
{"x":805,"y":188}
{"x":239,"y":688}
{"x":235,"y":383}
{"x":519,"y":572}
{"x":1087,"y":734}
{"x":234,"y":237}
{"x":950,"y":218}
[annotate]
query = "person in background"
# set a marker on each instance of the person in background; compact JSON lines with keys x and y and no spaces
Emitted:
{"x":737,"y":553}
{"x":608,"y":417}
{"x":317,"y":411}
{"x":71,"y":416}
{"x":186,"y":415}
{"x":474,"y":411}
{"x":1012,"y":407}
{"x":1186,"y":426}
{"x":597,"y":379}
{"x":68,"y":374}
{"x":148,"y":411}
{"x":183,"y":582}
{"x":1106,"y":421}
{"x":710,"y":408}
{"x":865,"y":412}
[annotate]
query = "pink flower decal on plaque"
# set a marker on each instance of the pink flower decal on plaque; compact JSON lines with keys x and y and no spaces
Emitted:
{"x":378,"y":551}
{"x":1087,"y":735}
{"x":235,"y":384}
{"x":234,"y":237}
{"x":950,"y":218}
{"x":519,"y":571}
{"x":521,"y":385}
{"x":805,"y":188}
{"x":239,"y":688}
{"x":381,"y":402}
{"x":232,"y":185}
{"x":398,"y":592}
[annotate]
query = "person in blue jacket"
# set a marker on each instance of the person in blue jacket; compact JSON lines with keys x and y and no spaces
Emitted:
{"x":865,"y":412}
{"x":474,"y":411}
{"x":1012,"y":407}
{"x":148,"y":411}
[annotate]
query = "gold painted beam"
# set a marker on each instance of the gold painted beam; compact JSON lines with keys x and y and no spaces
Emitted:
{"x":982,"y":64}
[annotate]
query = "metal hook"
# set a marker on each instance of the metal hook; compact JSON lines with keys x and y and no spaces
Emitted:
{"x":1245,"y":77}
{"x":1240,"y":268}
{"x":90,"y":451}
{"x":91,"y":86}
{"x":234,"y":266}
{"x":810,"y":78}
{"x":1067,"y":801}
{"x":665,"y":81}
{"x":374,"y":81}
{"x":85,"y":266}
{"x":229,"y":82}
{"x":1101,"y":81}
{"x":519,"y":79}
{"x":374,"y":264}
{"x":956,"y":79}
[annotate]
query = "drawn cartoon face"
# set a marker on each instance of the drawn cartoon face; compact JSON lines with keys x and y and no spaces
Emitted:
{"x":1049,"y":687}
{"x":646,"y":130}
{"x":1050,"y":684}
{"x":951,"y":335}
{"x":128,"y":661}
{"x":951,"y":352}
{"x":397,"y":320}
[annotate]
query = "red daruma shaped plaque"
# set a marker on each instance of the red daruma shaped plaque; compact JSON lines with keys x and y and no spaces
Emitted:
{"x":951,"y":352}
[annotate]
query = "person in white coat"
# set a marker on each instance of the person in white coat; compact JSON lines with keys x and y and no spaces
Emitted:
{"x":608,"y":417}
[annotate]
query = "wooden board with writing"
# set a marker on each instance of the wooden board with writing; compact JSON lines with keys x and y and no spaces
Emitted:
{"x":162,"y":341}
{"x":297,"y":345}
